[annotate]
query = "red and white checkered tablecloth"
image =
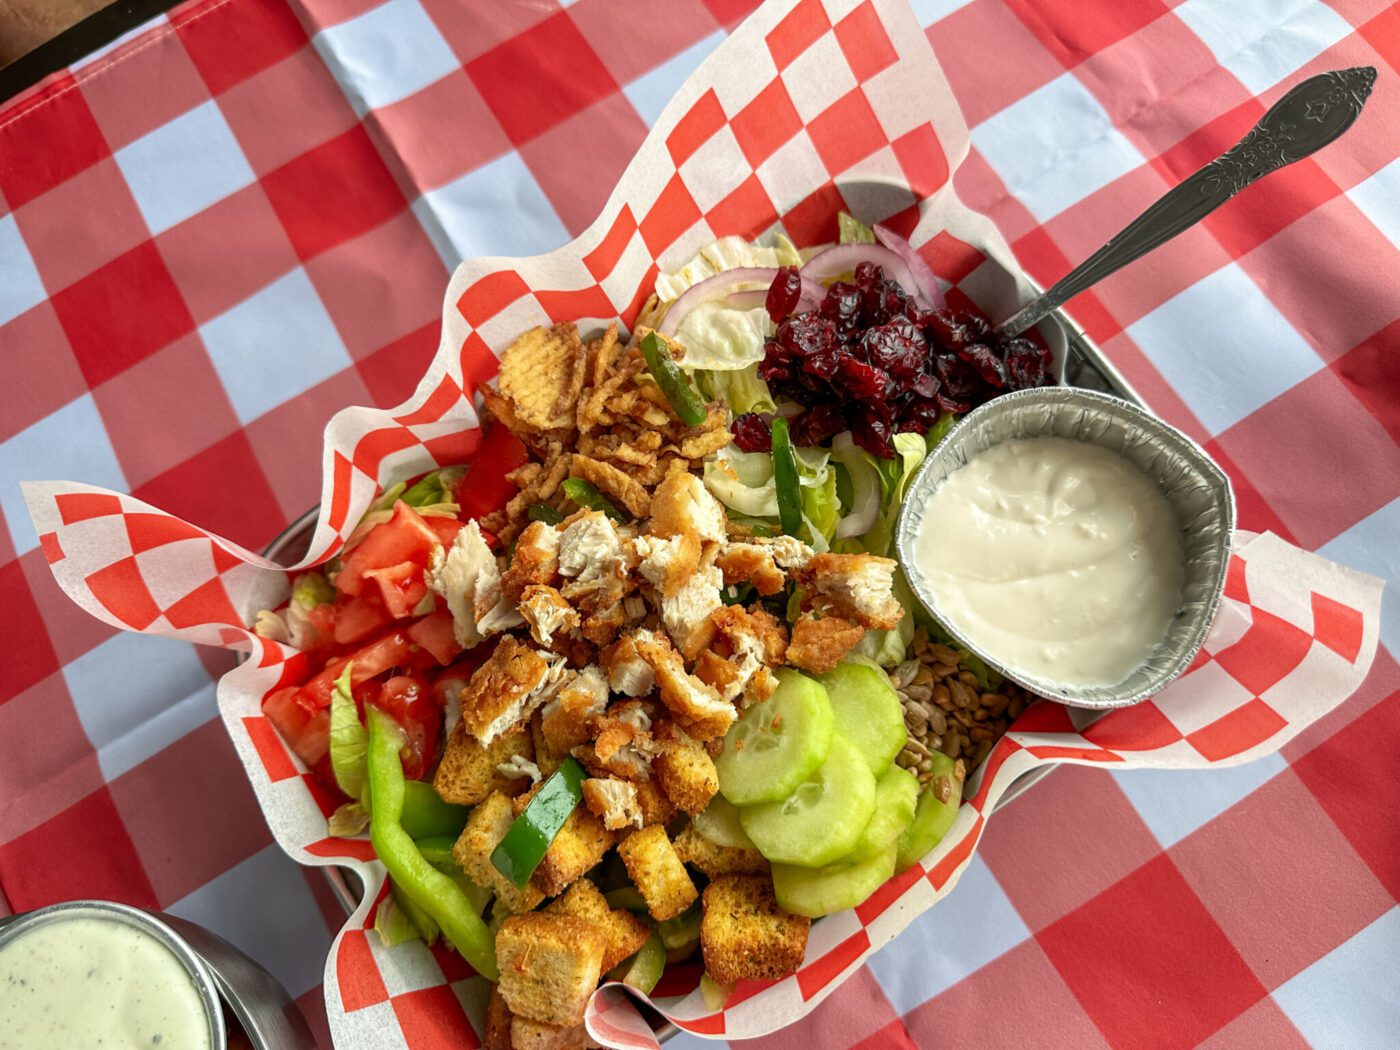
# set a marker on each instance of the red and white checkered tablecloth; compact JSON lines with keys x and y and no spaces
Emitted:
{"x":243,"y":217}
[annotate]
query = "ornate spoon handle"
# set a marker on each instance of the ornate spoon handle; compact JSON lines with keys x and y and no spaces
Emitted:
{"x":1307,"y":118}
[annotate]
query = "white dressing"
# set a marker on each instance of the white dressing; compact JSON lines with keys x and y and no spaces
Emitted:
{"x":1060,"y":558}
{"x":86,"y":982}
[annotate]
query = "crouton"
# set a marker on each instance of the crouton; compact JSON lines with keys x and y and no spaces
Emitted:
{"x":617,"y":485}
{"x":625,"y":932}
{"x":469,"y":772}
{"x":526,"y":1034}
{"x":535,"y":562}
{"x":579,"y":845}
{"x":696,"y":707}
{"x":546,"y":757}
{"x":714,"y":860}
{"x":856,"y":587}
{"x":627,"y":672}
{"x":486,"y":826}
{"x":819,"y":645}
{"x":612,"y":801}
{"x":745,"y":935}
{"x":547,"y":613}
{"x":550,"y":965}
{"x":659,"y":874}
{"x":684,"y":769}
{"x":498,"y":1018}
{"x":681,"y":504}
{"x":542,"y":375}
{"x":564,"y":719}
{"x":655,"y":806}
{"x":507,"y":688}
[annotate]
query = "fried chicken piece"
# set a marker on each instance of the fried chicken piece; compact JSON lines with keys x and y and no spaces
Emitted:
{"x":696,"y":707}
{"x":682,"y":504}
{"x":565,"y":717}
{"x":547,"y":613}
{"x":627,"y":672}
{"x":612,"y":801}
{"x":762,"y":561}
{"x":622,"y":741}
{"x":507,"y":688}
{"x":818,"y":645}
{"x":857,"y":587}
{"x":668,"y":563}
{"x":535,"y":561}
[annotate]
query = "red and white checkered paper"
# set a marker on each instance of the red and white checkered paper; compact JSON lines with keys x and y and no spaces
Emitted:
{"x":806,"y":109}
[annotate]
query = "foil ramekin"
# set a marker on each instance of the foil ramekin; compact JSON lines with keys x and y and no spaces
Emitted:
{"x":1195,"y":487}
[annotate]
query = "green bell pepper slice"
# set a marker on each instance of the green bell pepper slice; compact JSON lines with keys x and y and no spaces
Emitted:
{"x":672,"y":381}
{"x":527,"y":840}
{"x":785,"y":479}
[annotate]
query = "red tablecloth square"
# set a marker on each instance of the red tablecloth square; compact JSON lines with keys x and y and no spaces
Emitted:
{"x":1048,"y":856}
{"x":147,"y":90}
{"x":57,"y":767}
{"x":988,"y":79}
{"x":228,"y":47}
{"x":334,"y":192}
{"x":122,"y":312}
{"x":1371,"y":372}
{"x":432,"y":155}
{"x":663,"y":30}
{"x":63,"y":122}
{"x":1117,"y":951}
{"x":44,"y":374}
{"x":527,"y":106}
{"x":1263,"y":1024}
{"x":1279,"y":841}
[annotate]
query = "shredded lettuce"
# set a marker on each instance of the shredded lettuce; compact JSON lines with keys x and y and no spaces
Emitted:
{"x":349,"y":742}
{"x":936,"y":433}
{"x":740,"y":389}
{"x":863,"y":509}
{"x":720,"y":337}
{"x":853,"y":231}
{"x":894,"y":479}
{"x":399,"y":919}
{"x":820,"y":507}
{"x":727,"y":253}
{"x":435,"y":489}
{"x":743,"y":482}
{"x":311,"y":589}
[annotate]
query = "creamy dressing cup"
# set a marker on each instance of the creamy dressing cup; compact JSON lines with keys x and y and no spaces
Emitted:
{"x":1196,"y":489}
{"x":202,"y":987}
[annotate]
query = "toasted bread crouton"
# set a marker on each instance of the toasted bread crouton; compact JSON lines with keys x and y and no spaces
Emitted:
{"x":612,"y":801}
{"x":542,"y":374}
{"x":660,"y":876}
{"x":546,"y":757}
{"x":498,"y":1017}
{"x":547,"y":613}
{"x":819,"y":645}
{"x":526,"y":1034}
{"x":745,"y":935}
{"x":507,"y":688}
{"x":486,"y":826}
{"x":696,"y":707}
{"x":550,"y":965}
{"x":625,"y":932}
{"x":856,"y":587}
{"x":579,"y":845}
{"x":684,"y":769}
{"x":617,"y":485}
{"x":715,"y":860}
{"x":565,"y":717}
{"x":655,"y":806}
{"x":627,"y":672}
{"x":682,"y":504}
{"x":535,"y":561}
{"x":469,"y":772}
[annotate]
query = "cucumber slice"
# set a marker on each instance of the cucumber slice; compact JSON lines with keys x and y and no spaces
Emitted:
{"x":815,"y":892}
{"x":932,"y":818}
{"x":896,"y":798}
{"x":821,"y":820}
{"x":776,"y":745}
{"x":867,"y":710}
{"x":719,"y":823}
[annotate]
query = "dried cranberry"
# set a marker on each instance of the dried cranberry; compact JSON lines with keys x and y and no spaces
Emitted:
{"x":869,"y":275}
{"x":805,"y":334}
{"x":842,"y":307}
{"x":879,"y":303}
{"x":1026,"y":367}
{"x":873,"y":435}
{"x":752,"y":433}
{"x":783,"y":293}
{"x":925,"y":386}
{"x":865,"y":383}
{"x":988,"y":365}
{"x":898,"y":348}
{"x":818,"y":425}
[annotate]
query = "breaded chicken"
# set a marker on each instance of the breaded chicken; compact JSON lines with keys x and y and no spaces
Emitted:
{"x":535,"y":561}
{"x":627,"y":672}
{"x":622,"y":741}
{"x":547,"y":613}
{"x":682,"y":504}
{"x":612,"y":801}
{"x":506,"y":689}
{"x":467,"y":577}
{"x":818,"y":645}
{"x":856,"y":587}
{"x":565,"y":716}
{"x":696,"y":707}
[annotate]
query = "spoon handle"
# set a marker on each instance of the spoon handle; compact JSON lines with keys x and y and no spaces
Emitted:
{"x":1307,"y":118}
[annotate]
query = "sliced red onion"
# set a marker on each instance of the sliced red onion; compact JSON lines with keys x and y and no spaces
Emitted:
{"x":729,"y":284}
{"x":923,"y":277}
{"x":844,"y":258}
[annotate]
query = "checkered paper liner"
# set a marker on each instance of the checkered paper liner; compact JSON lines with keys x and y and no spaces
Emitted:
{"x":806,"y":109}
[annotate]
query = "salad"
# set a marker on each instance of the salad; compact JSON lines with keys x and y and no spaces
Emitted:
{"x":641,"y":693}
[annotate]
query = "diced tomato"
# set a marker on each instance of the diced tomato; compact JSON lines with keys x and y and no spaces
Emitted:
{"x":306,"y":730}
{"x":485,"y":487}
{"x":404,"y":537}
{"x":358,"y":618}
{"x":322,"y":618}
{"x":435,"y":634}
{"x":446,"y":528}
{"x":394,"y":649}
{"x":408,"y":700}
{"x":401,"y":587}
{"x":452,"y":677}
